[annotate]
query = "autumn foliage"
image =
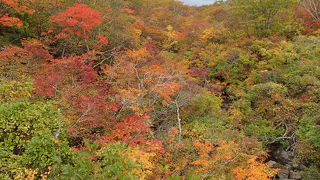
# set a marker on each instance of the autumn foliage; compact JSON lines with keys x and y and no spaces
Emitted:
{"x":5,"y":20}
{"x":19,"y":6}
{"x":77,"y":20}
{"x":311,"y":17}
{"x":159,"y":90}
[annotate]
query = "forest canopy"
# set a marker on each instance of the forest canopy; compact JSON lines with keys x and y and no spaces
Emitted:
{"x":143,"y":89}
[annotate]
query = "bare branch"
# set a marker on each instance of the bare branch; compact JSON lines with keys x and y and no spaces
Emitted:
{"x":179,"y":120}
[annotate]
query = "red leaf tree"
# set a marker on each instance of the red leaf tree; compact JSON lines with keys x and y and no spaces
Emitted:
{"x":78,"y":20}
{"x":309,"y":10}
{"x":16,"y":5}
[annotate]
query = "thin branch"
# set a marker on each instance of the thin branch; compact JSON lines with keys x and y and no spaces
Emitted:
{"x":102,"y":61}
{"x":89,"y":108}
{"x":179,"y":120}
{"x":60,"y":126}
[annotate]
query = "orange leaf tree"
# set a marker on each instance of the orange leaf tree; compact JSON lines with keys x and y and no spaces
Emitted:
{"x":143,"y":80}
{"x":228,"y":158}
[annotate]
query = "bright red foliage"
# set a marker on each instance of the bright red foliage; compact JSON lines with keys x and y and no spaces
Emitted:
{"x":131,"y":129}
{"x":103,"y":40}
{"x":310,"y":22}
{"x":5,"y":20}
{"x":77,"y":20}
{"x":37,"y":50}
{"x":16,"y":5}
{"x":74,"y":70}
{"x":17,"y":61}
{"x":20,"y":5}
{"x":83,"y":97}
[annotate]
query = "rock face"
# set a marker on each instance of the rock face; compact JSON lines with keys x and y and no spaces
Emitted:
{"x":283,"y":174}
{"x":287,"y":173}
{"x":282,"y":156}
{"x":283,"y":160}
{"x":295,"y":175}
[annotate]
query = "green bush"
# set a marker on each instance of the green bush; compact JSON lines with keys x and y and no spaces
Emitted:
{"x":20,"y":121}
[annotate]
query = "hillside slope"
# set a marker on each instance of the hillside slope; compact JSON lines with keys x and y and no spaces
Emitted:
{"x":142,"y":89}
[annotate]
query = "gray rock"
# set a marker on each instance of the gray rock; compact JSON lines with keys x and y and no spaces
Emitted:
{"x":294,"y":165}
{"x":282,"y":156}
{"x":295,"y":175}
{"x":283,"y":173}
{"x":288,"y":166}
{"x":285,"y":155}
